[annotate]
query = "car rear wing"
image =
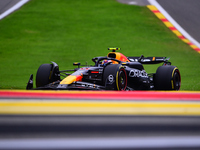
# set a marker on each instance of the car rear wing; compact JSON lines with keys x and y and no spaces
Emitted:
{"x":149,"y":60}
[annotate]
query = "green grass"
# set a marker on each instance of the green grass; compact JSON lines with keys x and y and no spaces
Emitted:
{"x":67,"y":31}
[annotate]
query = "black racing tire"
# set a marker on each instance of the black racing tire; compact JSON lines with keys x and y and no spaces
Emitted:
{"x":118,"y":73}
{"x":167,"y":78}
{"x":43,"y":75}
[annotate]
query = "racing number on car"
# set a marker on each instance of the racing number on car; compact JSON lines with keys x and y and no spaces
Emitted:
{"x":110,"y":78}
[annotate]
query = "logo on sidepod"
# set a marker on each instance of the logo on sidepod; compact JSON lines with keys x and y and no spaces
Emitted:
{"x":138,"y":73}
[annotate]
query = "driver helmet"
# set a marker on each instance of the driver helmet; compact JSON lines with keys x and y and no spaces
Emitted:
{"x":104,"y":62}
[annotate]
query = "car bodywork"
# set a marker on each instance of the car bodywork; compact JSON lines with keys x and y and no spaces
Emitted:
{"x":112,"y":72}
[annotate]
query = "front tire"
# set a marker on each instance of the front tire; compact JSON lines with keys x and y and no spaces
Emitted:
{"x":115,"y":77}
{"x":167,"y":78}
{"x":43,"y":75}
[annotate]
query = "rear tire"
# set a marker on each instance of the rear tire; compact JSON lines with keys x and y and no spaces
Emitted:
{"x":167,"y":78}
{"x":115,"y":77}
{"x":43,"y":75}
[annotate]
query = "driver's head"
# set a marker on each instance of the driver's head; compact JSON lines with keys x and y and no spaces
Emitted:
{"x":104,"y":62}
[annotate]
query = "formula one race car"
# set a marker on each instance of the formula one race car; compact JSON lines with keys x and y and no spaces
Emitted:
{"x":112,"y":72}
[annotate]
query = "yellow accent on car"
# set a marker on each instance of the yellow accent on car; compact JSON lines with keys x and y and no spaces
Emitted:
{"x":172,"y":84}
{"x":117,"y":80}
{"x":173,"y":71}
{"x":114,"y":48}
{"x":50,"y":75}
{"x":68,"y":80}
{"x":76,"y":63}
{"x":118,"y":56}
{"x":172,"y":77}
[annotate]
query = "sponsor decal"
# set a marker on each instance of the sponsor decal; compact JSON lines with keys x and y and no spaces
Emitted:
{"x":138,"y":73}
{"x":131,"y":59}
{"x":145,"y":60}
{"x":142,"y":60}
{"x":160,"y":59}
{"x":89,"y":85}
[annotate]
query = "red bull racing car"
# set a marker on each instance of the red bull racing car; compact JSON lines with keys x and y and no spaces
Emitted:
{"x":112,"y":72}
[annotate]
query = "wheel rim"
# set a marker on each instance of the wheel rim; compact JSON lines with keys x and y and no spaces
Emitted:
{"x":122,"y":80}
{"x":177,"y":80}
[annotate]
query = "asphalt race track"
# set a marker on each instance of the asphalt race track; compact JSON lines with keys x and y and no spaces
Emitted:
{"x":186,"y":13}
{"x":5,"y":5}
{"x":99,"y":120}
